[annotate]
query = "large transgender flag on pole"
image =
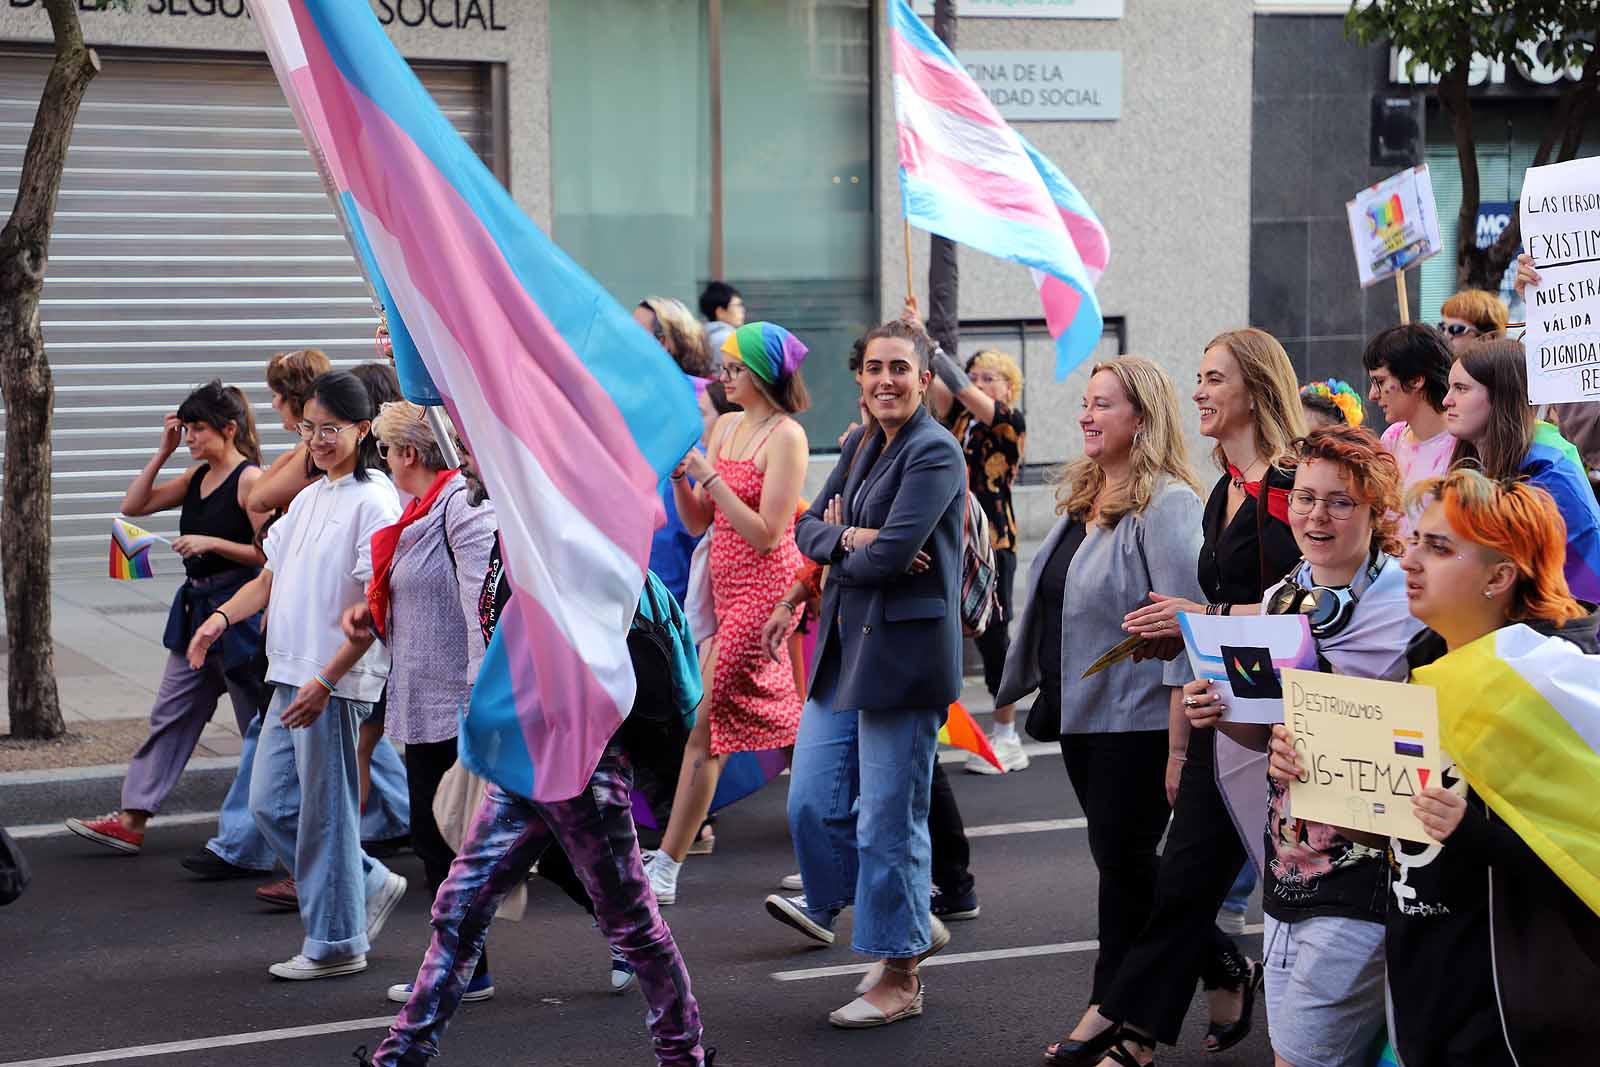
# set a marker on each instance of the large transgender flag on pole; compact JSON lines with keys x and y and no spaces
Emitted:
{"x":968,"y":176}
{"x":573,"y":413}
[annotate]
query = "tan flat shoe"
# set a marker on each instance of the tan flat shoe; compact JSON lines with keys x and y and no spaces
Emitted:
{"x":941,"y":939}
{"x":860,"y":1015}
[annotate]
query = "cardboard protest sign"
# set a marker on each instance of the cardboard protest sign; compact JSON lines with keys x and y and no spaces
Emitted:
{"x":1560,"y":215}
{"x":1366,"y":748}
{"x":1244,"y":657}
{"x":1394,"y":225}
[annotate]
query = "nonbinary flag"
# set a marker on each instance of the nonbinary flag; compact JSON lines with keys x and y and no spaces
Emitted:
{"x":572,"y":412}
{"x":1520,"y":715}
{"x":968,"y":176}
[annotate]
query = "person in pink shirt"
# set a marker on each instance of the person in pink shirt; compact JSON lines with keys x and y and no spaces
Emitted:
{"x":1409,"y":370}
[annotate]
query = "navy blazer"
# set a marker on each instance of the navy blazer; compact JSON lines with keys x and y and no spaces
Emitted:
{"x":891,"y":640}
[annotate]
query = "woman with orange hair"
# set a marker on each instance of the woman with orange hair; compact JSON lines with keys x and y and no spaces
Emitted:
{"x":1491,"y":958}
{"x":1324,"y":888}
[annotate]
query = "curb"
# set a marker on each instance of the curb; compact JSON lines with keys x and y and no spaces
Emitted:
{"x":33,"y":798}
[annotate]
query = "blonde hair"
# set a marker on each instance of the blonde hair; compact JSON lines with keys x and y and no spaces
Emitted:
{"x":1001,"y":363}
{"x":402,"y":424}
{"x":1158,"y":448}
{"x":1483,"y":309}
{"x":683,"y":335}
{"x":1270,"y":380}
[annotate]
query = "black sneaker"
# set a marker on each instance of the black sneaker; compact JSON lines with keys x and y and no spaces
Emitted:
{"x":954,"y":908}
{"x":213,"y":868}
{"x":386,"y":848}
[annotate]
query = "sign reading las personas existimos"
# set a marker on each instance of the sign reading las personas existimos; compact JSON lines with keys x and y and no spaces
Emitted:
{"x":1366,"y":748}
{"x":1560,"y":215}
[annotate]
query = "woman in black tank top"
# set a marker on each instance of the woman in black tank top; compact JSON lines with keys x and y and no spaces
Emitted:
{"x":217,"y":542}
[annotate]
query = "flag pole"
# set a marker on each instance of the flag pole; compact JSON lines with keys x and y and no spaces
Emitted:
{"x":911,"y":289}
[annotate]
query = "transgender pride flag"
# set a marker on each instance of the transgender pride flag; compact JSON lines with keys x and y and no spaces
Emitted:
{"x":572,"y":412}
{"x":968,"y":176}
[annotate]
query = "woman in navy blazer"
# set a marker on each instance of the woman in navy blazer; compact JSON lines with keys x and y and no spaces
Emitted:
{"x":887,"y":665}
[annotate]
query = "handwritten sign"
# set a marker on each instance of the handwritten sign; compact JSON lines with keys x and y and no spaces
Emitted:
{"x":1244,"y":657}
{"x":1366,"y":748}
{"x":1394,"y":225}
{"x":1560,"y":214}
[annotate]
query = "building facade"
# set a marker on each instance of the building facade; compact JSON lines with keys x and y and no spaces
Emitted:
{"x":663,"y":143}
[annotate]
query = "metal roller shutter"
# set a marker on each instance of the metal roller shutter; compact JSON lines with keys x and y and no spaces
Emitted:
{"x":192,"y":241}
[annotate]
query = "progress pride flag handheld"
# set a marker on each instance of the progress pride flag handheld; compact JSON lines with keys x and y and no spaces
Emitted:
{"x":573,"y":413}
{"x":968,"y":176}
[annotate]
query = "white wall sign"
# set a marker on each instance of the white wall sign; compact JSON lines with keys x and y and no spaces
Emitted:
{"x":1029,"y":9}
{"x":1561,"y":230}
{"x":1050,"y":86}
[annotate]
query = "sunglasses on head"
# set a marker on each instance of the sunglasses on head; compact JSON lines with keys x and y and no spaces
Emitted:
{"x":1456,"y":329}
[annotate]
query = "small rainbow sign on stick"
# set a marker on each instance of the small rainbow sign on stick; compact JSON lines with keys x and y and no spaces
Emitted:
{"x":130,"y":551}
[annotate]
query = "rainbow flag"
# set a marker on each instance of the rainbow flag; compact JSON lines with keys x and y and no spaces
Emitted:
{"x":1552,"y":463}
{"x":573,"y":413}
{"x":960,"y":730}
{"x":130,"y":551}
{"x":1520,"y":714}
{"x":743,"y":773}
{"x":965,"y":174}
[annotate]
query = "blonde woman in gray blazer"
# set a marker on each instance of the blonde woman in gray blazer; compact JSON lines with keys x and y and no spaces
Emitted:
{"x":1130,"y":524}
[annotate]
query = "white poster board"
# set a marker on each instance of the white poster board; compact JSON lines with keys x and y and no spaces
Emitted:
{"x":1560,"y":215}
{"x":1244,"y":657}
{"x":1394,"y":225}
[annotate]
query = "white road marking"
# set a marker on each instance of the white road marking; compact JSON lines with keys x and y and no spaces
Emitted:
{"x":51,"y":829}
{"x":959,"y":755}
{"x":140,"y":1052}
{"x":105,"y":770}
{"x":1001,"y":829}
{"x":943,"y":960}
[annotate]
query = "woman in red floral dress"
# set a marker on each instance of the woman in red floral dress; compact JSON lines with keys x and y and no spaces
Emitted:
{"x":748,"y":493}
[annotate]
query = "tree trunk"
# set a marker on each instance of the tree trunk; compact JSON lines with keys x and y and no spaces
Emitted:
{"x":944,"y":275}
{"x":1454,"y":96}
{"x":35,"y":706}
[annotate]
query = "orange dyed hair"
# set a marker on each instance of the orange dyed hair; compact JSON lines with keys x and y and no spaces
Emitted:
{"x":1374,"y":476}
{"x":1519,"y":521}
{"x":1483,"y":309}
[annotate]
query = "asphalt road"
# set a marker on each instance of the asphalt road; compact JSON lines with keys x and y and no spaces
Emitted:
{"x":107,"y":958}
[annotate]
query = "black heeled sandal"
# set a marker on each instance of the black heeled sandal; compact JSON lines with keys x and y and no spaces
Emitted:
{"x":1118,"y":1052}
{"x":1227,"y":1035}
{"x":1086,"y":1053}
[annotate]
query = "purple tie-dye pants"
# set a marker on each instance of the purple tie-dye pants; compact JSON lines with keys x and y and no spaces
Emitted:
{"x":508,"y":835}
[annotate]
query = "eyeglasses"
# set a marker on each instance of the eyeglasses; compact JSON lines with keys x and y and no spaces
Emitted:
{"x":327,"y":434}
{"x":1304,"y":502}
{"x":383,"y":450}
{"x":731,"y":370}
{"x":1456,"y":329}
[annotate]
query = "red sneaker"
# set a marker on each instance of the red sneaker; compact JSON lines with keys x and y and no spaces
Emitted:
{"x":109,"y":831}
{"x":280,"y":895}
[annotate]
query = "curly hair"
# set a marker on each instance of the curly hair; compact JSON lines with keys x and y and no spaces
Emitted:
{"x":682,"y":335}
{"x":1374,"y":476}
{"x":1519,"y":521}
{"x":1001,"y":363}
{"x":1158,"y":448}
{"x":290,"y":374}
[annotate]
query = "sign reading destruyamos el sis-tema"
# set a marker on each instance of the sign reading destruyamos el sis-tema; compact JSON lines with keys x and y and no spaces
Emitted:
{"x":1029,"y":9}
{"x":1049,"y":86}
{"x":413,"y":14}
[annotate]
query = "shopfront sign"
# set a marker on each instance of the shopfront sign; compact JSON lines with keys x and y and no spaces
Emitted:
{"x":412,"y":14}
{"x":1049,"y":86}
{"x":1029,"y":9}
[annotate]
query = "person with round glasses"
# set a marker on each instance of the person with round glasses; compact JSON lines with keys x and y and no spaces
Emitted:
{"x":1323,"y":888}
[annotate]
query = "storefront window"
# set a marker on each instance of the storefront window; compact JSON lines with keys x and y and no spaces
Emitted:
{"x":632,"y":135}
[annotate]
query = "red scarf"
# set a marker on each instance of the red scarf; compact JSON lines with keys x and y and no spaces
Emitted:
{"x":384,"y":543}
{"x":1277,"y":499}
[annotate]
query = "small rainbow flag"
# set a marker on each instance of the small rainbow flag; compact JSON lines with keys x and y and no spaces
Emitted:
{"x":962,"y":732}
{"x":130,"y":551}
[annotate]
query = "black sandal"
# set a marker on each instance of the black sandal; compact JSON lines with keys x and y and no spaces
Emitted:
{"x":1227,"y":1035}
{"x":1086,"y":1053}
{"x":1119,"y":1053}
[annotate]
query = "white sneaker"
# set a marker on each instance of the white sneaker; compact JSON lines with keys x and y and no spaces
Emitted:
{"x":382,"y":903}
{"x":1007,"y":750}
{"x":401,"y":993}
{"x":663,"y":882}
{"x":622,"y":976}
{"x":791,"y":883}
{"x":1230,"y":922}
{"x":301,"y":969}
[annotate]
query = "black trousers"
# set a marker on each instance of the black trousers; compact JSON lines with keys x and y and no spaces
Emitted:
{"x":1154,"y":986}
{"x":1120,"y":782}
{"x":995,"y":642}
{"x":426,"y":764}
{"x":951,"y":853}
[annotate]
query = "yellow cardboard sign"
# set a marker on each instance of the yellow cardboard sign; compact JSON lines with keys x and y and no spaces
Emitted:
{"x":1366,"y":748}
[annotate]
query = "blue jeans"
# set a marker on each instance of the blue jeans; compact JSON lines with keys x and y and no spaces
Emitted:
{"x":859,"y":789}
{"x":1239,"y":896}
{"x":303,"y":793}
{"x":239,"y":840}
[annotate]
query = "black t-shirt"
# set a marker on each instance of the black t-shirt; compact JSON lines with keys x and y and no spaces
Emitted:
{"x":495,"y":593}
{"x":1051,"y":596}
{"x":1232,"y":569}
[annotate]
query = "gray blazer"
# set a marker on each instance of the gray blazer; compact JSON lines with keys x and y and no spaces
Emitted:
{"x":891,"y":640}
{"x":1113,"y":572}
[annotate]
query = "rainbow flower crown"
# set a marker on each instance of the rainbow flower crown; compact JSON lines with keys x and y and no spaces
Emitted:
{"x":1341,"y":395}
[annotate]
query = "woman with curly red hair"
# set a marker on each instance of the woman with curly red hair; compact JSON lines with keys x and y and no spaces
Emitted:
{"x":1324,"y":888}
